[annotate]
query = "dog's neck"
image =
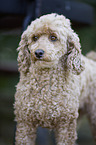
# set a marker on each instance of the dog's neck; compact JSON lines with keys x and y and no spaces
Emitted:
{"x":47,"y":73}
{"x":55,"y":68}
{"x":47,"y":78}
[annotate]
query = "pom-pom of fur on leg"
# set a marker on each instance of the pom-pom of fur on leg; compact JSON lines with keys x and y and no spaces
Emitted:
{"x":56,"y":80}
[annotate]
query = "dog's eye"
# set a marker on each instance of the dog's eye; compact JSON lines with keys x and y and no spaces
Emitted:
{"x":35,"y":38}
{"x":53,"y":38}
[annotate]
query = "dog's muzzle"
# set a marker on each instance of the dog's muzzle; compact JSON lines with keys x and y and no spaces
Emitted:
{"x":39,"y":53}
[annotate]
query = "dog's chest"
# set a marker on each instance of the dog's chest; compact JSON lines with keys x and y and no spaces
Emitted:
{"x":47,"y":84}
{"x":49,"y":93}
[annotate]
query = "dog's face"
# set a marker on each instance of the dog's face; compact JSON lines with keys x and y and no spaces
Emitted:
{"x":46,"y":40}
{"x":45,"y":47}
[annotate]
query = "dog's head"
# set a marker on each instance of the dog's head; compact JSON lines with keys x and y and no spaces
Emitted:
{"x":46,"y":41}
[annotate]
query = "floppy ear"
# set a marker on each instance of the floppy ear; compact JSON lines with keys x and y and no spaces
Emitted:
{"x":73,"y":55}
{"x":23,"y":55}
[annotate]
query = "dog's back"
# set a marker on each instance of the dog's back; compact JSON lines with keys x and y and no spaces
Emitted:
{"x":91,"y":55}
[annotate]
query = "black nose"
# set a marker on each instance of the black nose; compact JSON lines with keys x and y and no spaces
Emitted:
{"x":39,"y":53}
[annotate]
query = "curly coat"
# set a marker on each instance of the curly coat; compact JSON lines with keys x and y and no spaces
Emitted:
{"x":52,"y":88}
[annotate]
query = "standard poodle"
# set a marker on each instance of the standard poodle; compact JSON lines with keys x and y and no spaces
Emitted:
{"x":56,"y":81}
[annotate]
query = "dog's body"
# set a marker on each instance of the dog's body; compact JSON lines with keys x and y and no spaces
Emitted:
{"x":53,"y":82}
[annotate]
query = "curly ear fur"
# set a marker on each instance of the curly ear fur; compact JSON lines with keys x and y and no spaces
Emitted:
{"x":23,"y":55}
{"x":73,"y":55}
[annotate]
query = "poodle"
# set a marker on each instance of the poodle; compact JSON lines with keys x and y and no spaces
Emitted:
{"x":56,"y":81}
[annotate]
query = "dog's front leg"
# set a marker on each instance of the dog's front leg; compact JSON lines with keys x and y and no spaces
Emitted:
{"x":66,"y":133}
{"x":25,"y":134}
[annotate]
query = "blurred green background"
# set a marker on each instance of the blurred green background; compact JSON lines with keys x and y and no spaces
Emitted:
{"x":9,"y":40}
